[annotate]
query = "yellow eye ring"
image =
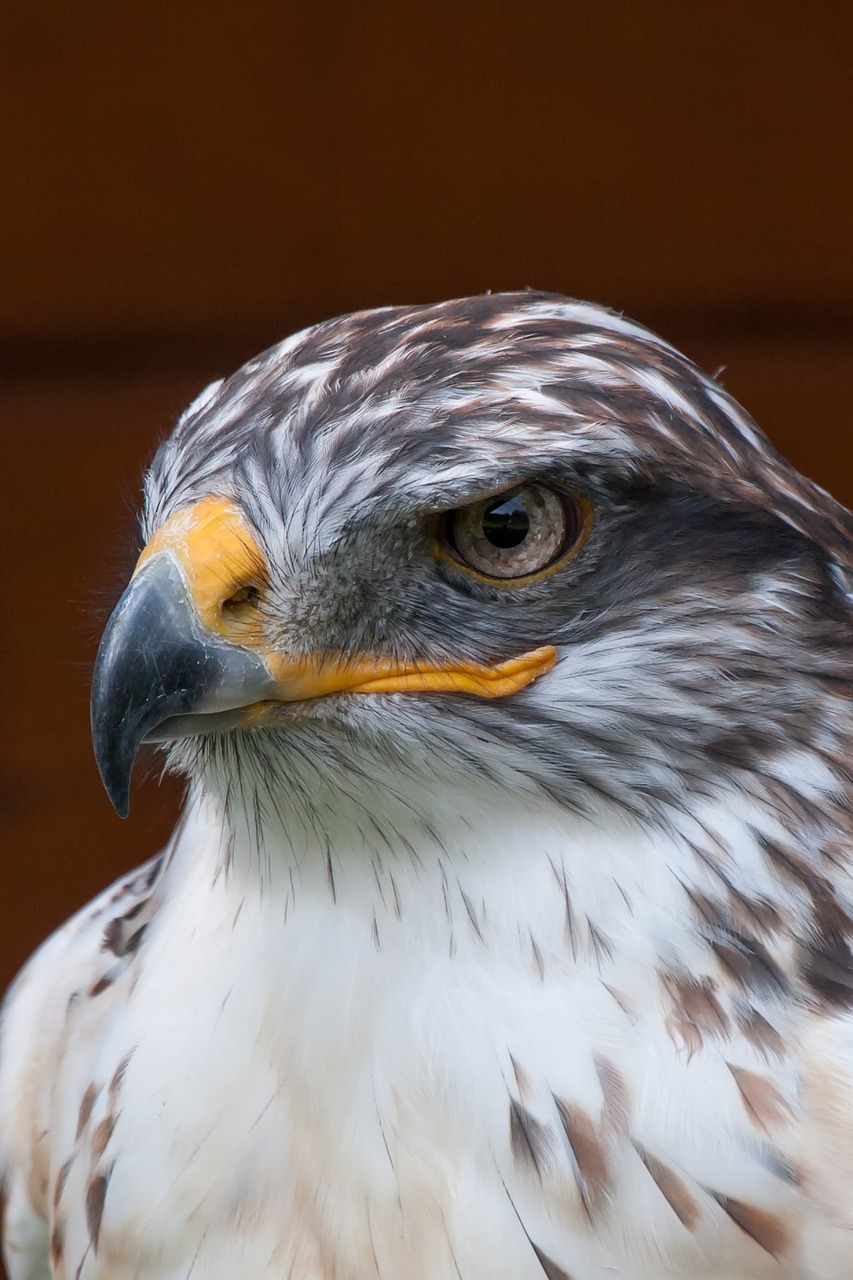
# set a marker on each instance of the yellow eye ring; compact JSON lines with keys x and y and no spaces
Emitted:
{"x":515,"y":538}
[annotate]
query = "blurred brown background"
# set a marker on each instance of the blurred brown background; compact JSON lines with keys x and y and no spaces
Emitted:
{"x":184,"y":183}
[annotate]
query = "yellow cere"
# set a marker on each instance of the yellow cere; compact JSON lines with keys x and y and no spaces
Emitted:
{"x":219,"y":557}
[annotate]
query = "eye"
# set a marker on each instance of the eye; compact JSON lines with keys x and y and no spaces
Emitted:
{"x":516,"y":534}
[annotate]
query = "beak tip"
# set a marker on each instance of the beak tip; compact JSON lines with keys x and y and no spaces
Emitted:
{"x":115,"y":775}
{"x":122,"y":807}
{"x":119,"y":797}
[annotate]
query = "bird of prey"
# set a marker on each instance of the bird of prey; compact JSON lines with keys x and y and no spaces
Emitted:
{"x":506,"y":931}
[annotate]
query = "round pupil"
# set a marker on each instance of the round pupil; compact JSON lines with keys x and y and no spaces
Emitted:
{"x":506,"y":524}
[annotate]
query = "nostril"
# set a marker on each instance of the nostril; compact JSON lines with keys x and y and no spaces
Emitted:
{"x":249,"y":595}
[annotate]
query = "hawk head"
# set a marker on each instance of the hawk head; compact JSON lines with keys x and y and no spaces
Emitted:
{"x":513,"y":537}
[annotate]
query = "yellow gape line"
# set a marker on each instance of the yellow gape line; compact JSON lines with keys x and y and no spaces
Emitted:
{"x":382,"y":675}
{"x":320,"y":675}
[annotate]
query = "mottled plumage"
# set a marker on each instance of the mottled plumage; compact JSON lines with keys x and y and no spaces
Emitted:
{"x":546,"y":980}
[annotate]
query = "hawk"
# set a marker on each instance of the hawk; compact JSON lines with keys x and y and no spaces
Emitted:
{"x":506,"y":931}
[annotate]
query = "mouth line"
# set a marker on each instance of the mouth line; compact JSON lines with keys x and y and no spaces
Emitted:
{"x":196,"y":723}
{"x":467,"y":678}
{"x":273,"y":713}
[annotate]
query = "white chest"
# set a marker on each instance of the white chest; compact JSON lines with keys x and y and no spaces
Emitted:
{"x":432,"y":1069}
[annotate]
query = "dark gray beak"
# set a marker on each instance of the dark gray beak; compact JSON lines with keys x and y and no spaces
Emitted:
{"x":159,"y":675}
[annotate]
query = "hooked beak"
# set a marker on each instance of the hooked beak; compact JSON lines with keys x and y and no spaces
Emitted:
{"x":185,"y":652}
